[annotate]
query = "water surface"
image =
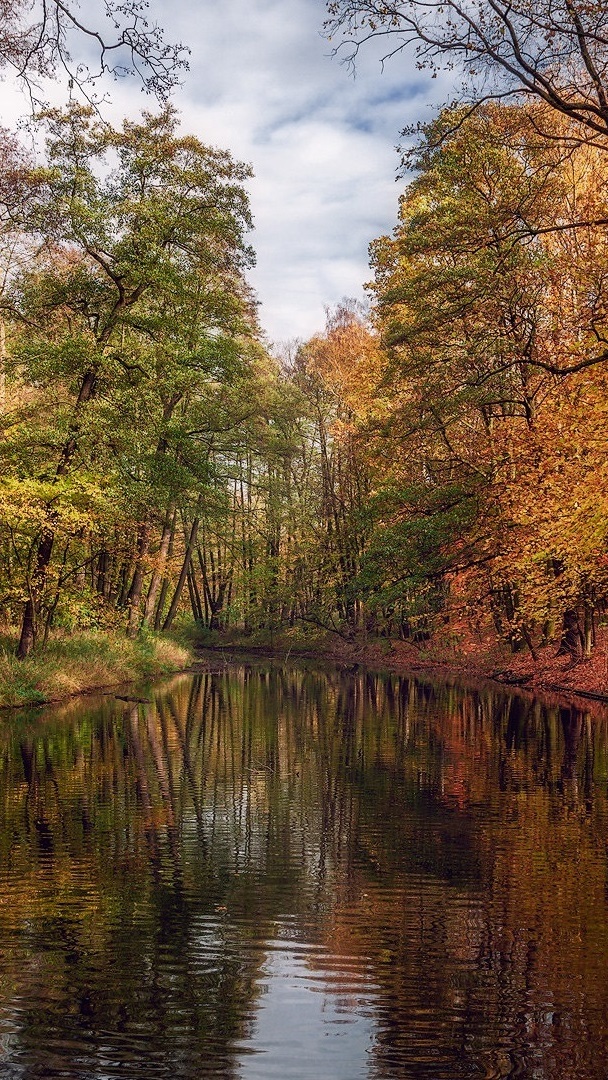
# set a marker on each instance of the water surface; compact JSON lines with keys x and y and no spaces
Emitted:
{"x":270,"y":872}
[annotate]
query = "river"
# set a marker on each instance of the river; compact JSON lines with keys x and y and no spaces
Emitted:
{"x":279,"y":873}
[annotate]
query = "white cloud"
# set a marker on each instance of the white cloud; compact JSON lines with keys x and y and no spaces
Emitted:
{"x":321,"y":142}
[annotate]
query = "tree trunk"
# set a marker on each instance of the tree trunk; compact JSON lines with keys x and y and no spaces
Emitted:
{"x":183,"y":575}
{"x":161,"y":561}
{"x":27,"y":639}
{"x":571,"y":641}
{"x":102,"y":580}
{"x":47,"y":539}
{"x":195,"y":599}
{"x":122,"y":584}
{"x":135,"y":592}
{"x":164,"y":589}
{"x":589,"y":630}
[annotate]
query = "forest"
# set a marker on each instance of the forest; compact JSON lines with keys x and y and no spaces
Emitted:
{"x":433,"y":460}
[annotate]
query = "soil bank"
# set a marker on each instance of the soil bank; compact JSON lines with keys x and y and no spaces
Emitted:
{"x":466,"y":657}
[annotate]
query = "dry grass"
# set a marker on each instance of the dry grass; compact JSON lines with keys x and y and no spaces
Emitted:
{"x":84,"y":662}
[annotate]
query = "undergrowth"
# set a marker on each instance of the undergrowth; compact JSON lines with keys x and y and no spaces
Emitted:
{"x":82,"y":662}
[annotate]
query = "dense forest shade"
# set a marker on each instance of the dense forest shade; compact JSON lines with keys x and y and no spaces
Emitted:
{"x":398,"y":864}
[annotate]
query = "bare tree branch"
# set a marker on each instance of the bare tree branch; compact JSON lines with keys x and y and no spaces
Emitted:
{"x":40,"y":38}
{"x":555,"y":50}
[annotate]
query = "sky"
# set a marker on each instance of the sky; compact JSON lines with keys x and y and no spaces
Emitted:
{"x":263,"y":84}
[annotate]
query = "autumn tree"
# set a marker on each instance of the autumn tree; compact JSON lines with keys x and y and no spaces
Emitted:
{"x":336,"y":371}
{"x":492,"y":338}
{"x":137,"y":296}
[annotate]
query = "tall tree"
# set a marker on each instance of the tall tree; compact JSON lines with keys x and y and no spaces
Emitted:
{"x":493,"y":338}
{"x":138,"y":285}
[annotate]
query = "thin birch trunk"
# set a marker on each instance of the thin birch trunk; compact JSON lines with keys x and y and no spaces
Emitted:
{"x":183,"y":575}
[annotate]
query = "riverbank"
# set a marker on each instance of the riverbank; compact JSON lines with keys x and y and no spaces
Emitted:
{"x":95,"y":660}
{"x":545,"y":672}
{"x":461,"y":654}
{"x":84,"y":662}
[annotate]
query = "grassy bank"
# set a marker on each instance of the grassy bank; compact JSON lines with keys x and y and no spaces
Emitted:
{"x":83,"y":662}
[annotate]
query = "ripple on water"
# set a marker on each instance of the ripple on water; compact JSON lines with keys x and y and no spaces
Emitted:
{"x":304,"y":877}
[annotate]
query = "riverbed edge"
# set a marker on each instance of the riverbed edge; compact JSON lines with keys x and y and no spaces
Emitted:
{"x":99,"y":661}
{"x":86,"y":663}
{"x":548,"y":672}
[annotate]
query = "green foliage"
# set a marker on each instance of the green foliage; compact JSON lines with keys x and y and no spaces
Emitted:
{"x":131,"y":352}
{"x":160,"y":469}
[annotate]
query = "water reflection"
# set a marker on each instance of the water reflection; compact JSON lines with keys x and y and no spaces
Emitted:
{"x":267,"y":872}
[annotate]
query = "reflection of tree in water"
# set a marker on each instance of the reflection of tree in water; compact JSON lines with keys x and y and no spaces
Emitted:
{"x":487,"y":929}
{"x":114,"y":962}
{"x":442,"y":842}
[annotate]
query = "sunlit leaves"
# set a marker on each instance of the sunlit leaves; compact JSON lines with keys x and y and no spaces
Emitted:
{"x":491,"y":300}
{"x":129,"y":330}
